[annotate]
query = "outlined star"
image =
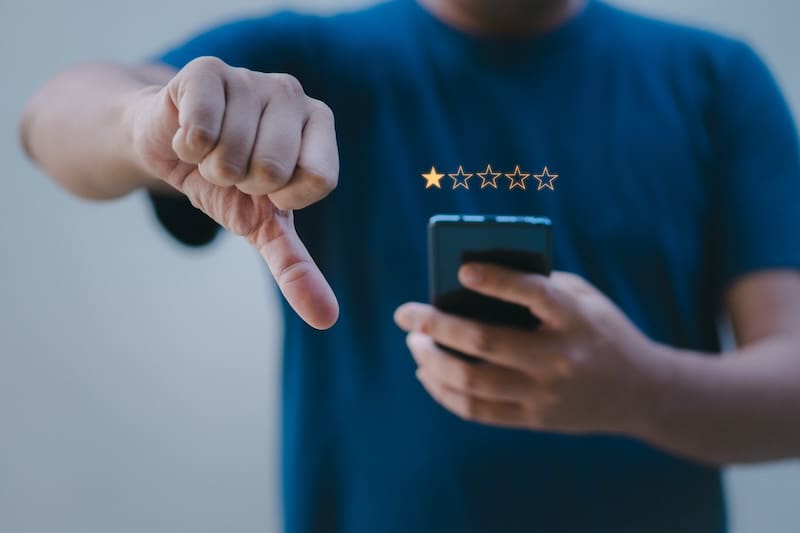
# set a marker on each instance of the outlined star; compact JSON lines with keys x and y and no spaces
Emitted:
{"x":433,"y":178}
{"x":519,"y":182}
{"x":460,"y":182}
{"x":489,"y":182}
{"x":545,"y":180}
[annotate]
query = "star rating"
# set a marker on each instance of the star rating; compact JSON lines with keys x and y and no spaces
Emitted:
{"x":489,"y":182}
{"x":545,"y":180}
{"x":460,"y":179}
{"x":516,"y":179}
{"x":519,"y":181}
{"x":432,"y":179}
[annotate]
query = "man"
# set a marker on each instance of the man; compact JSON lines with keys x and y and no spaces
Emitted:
{"x":677,"y":196}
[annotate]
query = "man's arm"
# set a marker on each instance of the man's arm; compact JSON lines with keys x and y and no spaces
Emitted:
{"x":745,"y":405}
{"x":78,"y":128}
{"x":244,"y":147}
{"x":587,"y":369}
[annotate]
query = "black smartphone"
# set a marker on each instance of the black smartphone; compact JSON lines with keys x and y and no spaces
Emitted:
{"x":517,"y":242}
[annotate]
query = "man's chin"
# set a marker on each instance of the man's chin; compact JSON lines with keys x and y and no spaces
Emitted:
{"x":511,"y":16}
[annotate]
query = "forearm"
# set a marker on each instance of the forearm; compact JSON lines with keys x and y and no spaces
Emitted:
{"x":740,"y":407}
{"x":77,"y":129}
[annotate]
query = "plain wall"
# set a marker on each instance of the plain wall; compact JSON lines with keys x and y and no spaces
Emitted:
{"x":138,"y":387}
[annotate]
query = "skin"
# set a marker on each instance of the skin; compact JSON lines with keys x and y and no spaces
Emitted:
{"x":248,"y":148}
{"x":505,"y":18}
{"x":588,"y":369}
{"x":245,"y":147}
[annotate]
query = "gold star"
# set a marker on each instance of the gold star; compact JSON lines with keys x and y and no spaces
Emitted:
{"x":460,"y":182}
{"x":549,"y":178}
{"x":433,"y":178}
{"x":520,"y":182}
{"x":489,"y":182}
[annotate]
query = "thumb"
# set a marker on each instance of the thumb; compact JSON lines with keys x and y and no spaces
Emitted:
{"x":273,"y":234}
{"x":296,"y":273}
{"x":545,"y":299}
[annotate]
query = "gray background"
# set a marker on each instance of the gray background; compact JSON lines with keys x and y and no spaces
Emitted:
{"x":138,"y":379}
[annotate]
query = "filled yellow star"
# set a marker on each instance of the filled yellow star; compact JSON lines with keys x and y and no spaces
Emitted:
{"x":520,"y":181}
{"x":489,"y":182}
{"x":433,"y":178}
{"x":545,"y":180}
{"x":460,"y":182}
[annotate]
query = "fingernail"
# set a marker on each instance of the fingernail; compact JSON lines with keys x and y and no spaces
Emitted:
{"x":471,"y":274}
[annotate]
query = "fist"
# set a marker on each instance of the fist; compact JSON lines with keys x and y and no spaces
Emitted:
{"x":246,"y":148}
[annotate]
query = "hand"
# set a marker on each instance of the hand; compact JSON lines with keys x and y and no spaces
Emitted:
{"x":246,"y":148}
{"x":585,"y":369}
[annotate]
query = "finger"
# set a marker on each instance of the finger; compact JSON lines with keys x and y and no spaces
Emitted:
{"x":472,"y":408}
{"x":317,"y":170}
{"x":277,"y":147}
{"x":227,"y":163}
{"x":199,"y":96}
{"x":529,"y":351}
{"x":298,"y":277}
{"x":489,"y":381}
{"x":545,"y":299}
{"x":296,"y":273}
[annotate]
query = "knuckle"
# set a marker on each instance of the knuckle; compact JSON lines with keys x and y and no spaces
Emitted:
{"x":319,"y":183}
{"x":241,"y":80}
{"x":545,"y":293}
{"x":288,"y":85}
{"x":224,"y":169}
{"x":236,"y":82}
{"x":568,"y":277}
{"x":267,"y":169}
{"x":200,"y":137}
{"x":481,"y":341}
{"x":428,"y":323}
{"x":320,"y":110}
{"x":206,"y":63}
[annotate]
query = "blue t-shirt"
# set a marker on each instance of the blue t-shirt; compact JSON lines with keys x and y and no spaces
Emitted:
{"x":677,"y":164}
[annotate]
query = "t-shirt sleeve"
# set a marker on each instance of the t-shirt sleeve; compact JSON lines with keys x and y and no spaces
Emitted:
{"x":281,"y":42}
{"x":758,"y":192}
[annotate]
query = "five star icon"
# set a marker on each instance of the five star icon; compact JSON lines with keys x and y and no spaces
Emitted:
{"x":517,"y":179}
{"x":489,"y":177}
{"x":460,"y":179}
{"x":545,"y":180}
{"x":489,"y":182}
{"x":432,"y":179}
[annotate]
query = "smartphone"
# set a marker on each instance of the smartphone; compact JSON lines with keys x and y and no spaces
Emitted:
{"x":518,"y":242}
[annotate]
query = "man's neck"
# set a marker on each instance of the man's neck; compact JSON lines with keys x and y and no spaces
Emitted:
{"x":504,"y":18}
